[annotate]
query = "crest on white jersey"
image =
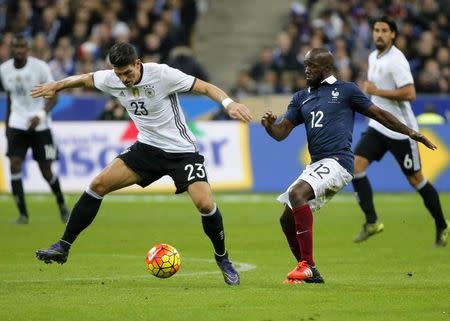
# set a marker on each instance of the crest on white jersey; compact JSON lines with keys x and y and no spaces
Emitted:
{"x":149,"y":91}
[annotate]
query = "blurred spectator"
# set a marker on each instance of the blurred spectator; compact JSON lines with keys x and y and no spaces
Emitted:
{"x":264,"y":64}
{"x":430,"y":78}
{"x":113,"y":111}
{"x":283,"y":53}
{"x":269,"y":85}
{"x":49,"y":25}
{"x":430,"y":116}
{"x":40,"y":48}
{"x":62,"y":65}
{"x":183,"y":58}
{"x":244,"y":86}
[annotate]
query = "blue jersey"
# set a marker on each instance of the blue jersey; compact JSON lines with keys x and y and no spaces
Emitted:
{"x":328,"y":113}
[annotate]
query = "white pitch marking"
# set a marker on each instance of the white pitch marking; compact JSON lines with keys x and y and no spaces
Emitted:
{"x":240,"y":266}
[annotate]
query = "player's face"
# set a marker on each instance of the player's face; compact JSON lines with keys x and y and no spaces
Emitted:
{"x":313,"y":71}
{"x":130,"y":74}
{"x":382,"y":35}
{"x":19,"y":50}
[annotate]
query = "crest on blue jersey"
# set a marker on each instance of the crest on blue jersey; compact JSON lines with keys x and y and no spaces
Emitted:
{"x":334,"y":96}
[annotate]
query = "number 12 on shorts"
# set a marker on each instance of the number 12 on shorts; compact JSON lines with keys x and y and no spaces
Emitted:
{"x":321,"y":170}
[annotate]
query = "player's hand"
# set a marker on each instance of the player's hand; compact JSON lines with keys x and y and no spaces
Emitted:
{"x":239,"y":111}
{"x":47,"y":90}
{"x":268,"y":119}
{"x":33,"y":123}
{"x":421,"y":138}
{"x":369,"y":88}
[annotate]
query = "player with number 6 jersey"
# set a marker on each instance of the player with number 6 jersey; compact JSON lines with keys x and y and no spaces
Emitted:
{"x":165,"y":145}
{"x":327,"y":108}
{"x":391,"y":86}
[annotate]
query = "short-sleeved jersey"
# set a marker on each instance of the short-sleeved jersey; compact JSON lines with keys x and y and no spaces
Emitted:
{"x":153,"y":105}
{"x":18,"y":83}
{"x":328,"y":113}
{"x":391,"y":71}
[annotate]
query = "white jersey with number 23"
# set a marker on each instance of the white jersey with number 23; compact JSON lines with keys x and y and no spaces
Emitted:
{"x":153,"y":105}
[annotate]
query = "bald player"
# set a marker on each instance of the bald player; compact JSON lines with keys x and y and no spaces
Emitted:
{"x":326,"y":108}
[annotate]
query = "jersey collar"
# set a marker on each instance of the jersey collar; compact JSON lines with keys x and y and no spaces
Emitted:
{"x":330,"y":80}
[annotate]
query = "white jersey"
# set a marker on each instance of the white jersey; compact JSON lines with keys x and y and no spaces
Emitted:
{"x":19,"y":82}
{"x":153,"y":105}
{"x":391,"y":71}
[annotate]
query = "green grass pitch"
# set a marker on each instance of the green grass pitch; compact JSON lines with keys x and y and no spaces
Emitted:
{"x":397,"y":275}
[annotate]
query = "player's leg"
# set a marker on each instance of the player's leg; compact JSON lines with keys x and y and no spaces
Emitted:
{"x":201,"y":195}
{"x":113,"y":177}
{"x":287,"y":223}
{"x":371,"y":147}
{"x":17,"y":189}
{"x":299,"y":194}
{"x":17,"y":148}
{"x":53,"y":181}
{"x":406,"y":152}
{"x":45,"y":152}
{"x":212,"y":222}
{"x":317,"y":184}
{"x":189,"y":174}
{"x":432,"y":202}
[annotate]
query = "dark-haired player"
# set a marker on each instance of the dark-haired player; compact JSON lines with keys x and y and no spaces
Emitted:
{"x":391,"y":85}
{"x":165,"y":145}
{"x":327,"y":108}
{"x":28,"y":123}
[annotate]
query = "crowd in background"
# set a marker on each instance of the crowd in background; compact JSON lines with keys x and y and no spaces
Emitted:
{"x":74,"y":37}
{"x":344,"y":27}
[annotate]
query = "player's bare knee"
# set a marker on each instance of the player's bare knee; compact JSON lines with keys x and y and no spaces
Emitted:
{"x":99,"y":186}
{"x":297,"y":196}
{"x":360,"y":165}
{"x":15,"y":165}
{"x":204,"y":206}
{"x":415,"y":179}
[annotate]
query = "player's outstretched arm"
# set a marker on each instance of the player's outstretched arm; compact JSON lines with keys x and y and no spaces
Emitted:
{"x":407,"y":92}
{"x":391,"y":122}
{"x":49,"y":90}
{"x":235,"y":110}
{"x":277,"y":130}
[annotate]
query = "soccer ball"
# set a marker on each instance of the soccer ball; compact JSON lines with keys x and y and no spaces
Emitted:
{"x":163,"y":260}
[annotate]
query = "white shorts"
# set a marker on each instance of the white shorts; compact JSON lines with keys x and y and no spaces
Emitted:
{"x":326,"y":177}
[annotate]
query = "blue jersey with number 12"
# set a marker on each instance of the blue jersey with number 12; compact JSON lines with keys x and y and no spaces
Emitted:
{"x":328,"y":113}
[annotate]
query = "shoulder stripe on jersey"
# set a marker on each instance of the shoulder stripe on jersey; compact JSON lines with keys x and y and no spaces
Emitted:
{"x":181,"y":127}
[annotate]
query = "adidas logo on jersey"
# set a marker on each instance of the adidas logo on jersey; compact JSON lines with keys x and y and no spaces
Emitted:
{"x":122,"y":94}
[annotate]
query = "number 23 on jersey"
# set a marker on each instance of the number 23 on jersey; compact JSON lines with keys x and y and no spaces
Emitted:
{"x":139,"y":108}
